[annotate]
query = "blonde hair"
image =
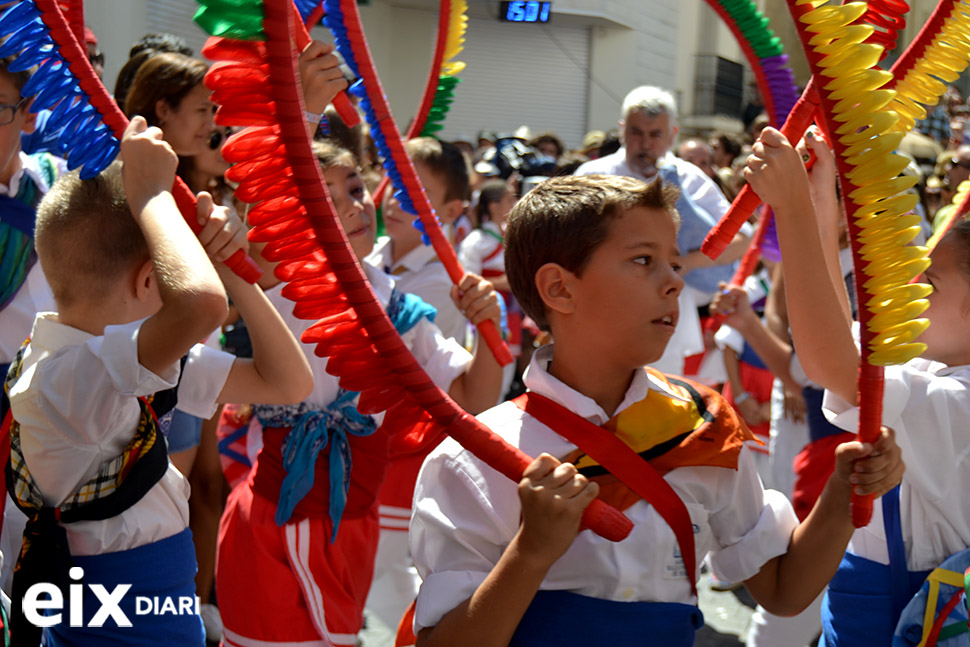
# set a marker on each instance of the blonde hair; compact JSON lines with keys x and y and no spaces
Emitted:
{"x":86,"y":237}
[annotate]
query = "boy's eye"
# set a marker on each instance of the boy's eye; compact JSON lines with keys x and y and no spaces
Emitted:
{"x":643,"y":260}
{"x":677,"y":267}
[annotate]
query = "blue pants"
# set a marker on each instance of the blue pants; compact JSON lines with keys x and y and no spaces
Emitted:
{"x":561,"y":618}
{"x":160,"y":605}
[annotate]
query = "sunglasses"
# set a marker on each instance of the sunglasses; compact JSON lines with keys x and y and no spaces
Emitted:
{"x":217,"y":137}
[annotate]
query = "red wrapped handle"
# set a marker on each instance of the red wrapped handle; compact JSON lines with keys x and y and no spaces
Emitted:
{"x":442,"y":246}
{"x":747,"y":200}
{"x":871,"y":386}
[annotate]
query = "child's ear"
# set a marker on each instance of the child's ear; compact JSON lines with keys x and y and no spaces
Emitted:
{"x":30,"y":118}
{"x":554,"y":284}
{"x":144,"y":277}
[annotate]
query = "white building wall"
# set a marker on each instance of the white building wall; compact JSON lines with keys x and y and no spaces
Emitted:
{"x":631,"y":42}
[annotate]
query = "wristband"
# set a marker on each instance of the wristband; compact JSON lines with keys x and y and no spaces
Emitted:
{"x":312,"y":117}
{"x":741,"y":398}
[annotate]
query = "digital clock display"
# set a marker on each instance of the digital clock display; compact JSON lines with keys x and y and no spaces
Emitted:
{"x":525,"y":11}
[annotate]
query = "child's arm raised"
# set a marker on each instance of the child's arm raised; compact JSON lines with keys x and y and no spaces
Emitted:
{"x":193,"y":300}
{"x":553,"y":496}
{"x":820,"y":328}
{"x":733,"y":304}
{"x":477,"y":389}
{"x":788,"y":583}
{"x":278,"y":373}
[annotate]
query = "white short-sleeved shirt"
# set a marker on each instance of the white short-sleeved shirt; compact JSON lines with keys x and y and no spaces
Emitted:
{"x":76,"y":403}
{"x":698,"y":186}
{"x":928,"y":405}
{"x":482,"y":249}
{"x":443,"y":359}
{"x":465,"y":514}
{"x":420,"y":272}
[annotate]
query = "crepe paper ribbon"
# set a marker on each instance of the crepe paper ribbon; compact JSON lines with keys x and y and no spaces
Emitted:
{"x":776,"y":81}
{"x":887,"y":15}
{"x":962,"y":202}
{"x":343,"y":20}
{"x":73,"y":11}
{"x":853,"y":102}
{"x":218,"y":18}
{"x":937,"y":57}
{"x":764,"y":53}
{"x":439,"y":91}
{"x":744,"y":204}
{"x":38,"y":34}
{"x":294,"y":216}
{"x":887,"y":19}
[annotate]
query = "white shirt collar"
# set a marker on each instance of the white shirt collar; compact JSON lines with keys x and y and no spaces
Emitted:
{"x":413,"y":261}
{"x":49,"y":334}
{"x":537,"y":378}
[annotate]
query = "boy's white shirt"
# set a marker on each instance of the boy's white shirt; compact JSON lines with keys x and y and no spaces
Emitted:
{"x":443,"y":359}
{"x":478,"y":245}
{"x":465,"y":514}
{"x":420,"y":272}
{"x":928,"y":405}
{"x":76,"y":403}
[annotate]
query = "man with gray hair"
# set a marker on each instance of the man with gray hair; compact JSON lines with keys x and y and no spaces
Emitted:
{"x":648,"y":127}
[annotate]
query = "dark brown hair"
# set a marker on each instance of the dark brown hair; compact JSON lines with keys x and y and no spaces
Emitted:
{"x":492,"y":191}
{"x":168,"y":77}
{"x":563,"y":221}
{"x":445,"y":161}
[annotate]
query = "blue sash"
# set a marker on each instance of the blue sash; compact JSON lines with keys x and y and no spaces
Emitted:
{"x":865,"y":598}
{"x":164,"y":570}
{"x":561,"y":618}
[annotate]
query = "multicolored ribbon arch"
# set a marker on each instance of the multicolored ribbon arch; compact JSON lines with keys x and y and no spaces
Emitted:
{"x":294,"y":216}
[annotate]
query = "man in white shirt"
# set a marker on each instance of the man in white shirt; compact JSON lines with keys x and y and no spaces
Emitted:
{"x":648,"y":128}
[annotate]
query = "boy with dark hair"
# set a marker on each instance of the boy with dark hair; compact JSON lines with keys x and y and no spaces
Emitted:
{"x":594,"y":260}
{"x":444,"y":175}
{"x":89,"y":391}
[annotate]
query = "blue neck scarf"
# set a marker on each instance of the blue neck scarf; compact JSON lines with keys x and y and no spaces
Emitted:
{"x":313,"y":429}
